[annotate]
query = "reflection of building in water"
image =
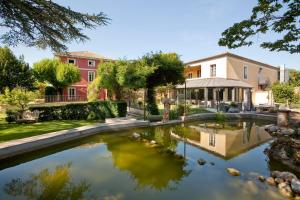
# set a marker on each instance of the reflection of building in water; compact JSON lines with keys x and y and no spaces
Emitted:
{"x":227,"y":142}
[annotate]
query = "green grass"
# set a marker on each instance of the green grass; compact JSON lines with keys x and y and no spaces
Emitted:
{"x":18,"y":131}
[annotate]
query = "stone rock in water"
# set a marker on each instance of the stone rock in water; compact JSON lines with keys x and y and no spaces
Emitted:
{"x":279,"y":180}
{"x":286,"y":176}
{"x":273,"y":128}
{"x":282,"y":185}
{"x":286,"y":191}
{"x":233,"y":172}
{"x":201,"y":161}
{"x":153,"y":142}
{"x":271,"y":181}
{"x":136,"y":135}
{"x":287,"y":131}
{"x":295,"y":184}
{"x":261,"y":178}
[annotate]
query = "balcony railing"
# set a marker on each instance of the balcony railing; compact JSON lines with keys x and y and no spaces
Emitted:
{"x":64,"y":98}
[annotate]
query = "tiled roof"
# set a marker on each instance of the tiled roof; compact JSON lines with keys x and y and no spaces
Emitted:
{"x":83,"y":54}
{"x":214,"y":82}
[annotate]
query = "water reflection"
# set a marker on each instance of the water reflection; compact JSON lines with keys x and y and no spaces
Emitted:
{"x":148,"y":166}
{"x":47,"y":185}
{"x":226,"y":140}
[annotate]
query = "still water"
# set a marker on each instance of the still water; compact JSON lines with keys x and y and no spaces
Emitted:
{"x":116,"y":166}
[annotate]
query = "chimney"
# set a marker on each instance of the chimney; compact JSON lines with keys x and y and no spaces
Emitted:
{"x":284,"y":74}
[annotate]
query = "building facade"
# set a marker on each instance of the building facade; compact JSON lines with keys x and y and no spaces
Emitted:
{"x":87,"y":63}
{"x":228,"y":78}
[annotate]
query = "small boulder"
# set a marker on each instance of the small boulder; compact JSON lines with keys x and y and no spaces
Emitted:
{"x":282,"y":185}
{"x":287,"y":131}
{"x":212,"y":163}
{"x":201,"y":161}
{"x":275,"y":174}
{"x":273,"y":129}
{"x":286,"y":191}
{"x":136,"y":135}
{"x":271,"y":181}
{"x":295,"y":184}
{"x":261,"y":178}
{"x":279,"y":180}
{"x":233,"y":172}
{"x":287,"y":176}
{"x":153,"y":142}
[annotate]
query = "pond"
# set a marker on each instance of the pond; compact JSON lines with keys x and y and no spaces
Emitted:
{"x":115,"y":166}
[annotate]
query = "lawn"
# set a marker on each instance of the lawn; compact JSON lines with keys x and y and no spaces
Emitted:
{"x":18,"y":131}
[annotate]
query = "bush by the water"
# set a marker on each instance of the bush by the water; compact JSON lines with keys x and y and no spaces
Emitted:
{"x":82,"y":111}
{"x":11,"y":116}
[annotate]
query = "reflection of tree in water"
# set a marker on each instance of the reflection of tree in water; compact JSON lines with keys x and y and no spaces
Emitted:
{"x":47,"y":185}
{"x":162,"y":136}
{"x":148,"y":166}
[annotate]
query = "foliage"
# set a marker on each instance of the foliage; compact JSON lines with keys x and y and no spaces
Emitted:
{"x":180,"y":109}
{"x":107,"y":74}
{"x":45,"y":24}
{"x":81,"y":111}
{"x":294,"y":77}
{"x":220,"y":117}
{"x":49,"y":185}
{"x":169,"y":69}
{"x":118,"y":75}
{"x":284,"y":93}
{"x":11,"y":116}
{"x":58,"y":74}
{"x":19,"y":97}
{"x":133,"y":74}
{"x":93,"y":90}
{"x":280,"y":17}
{"x":14,"y":71}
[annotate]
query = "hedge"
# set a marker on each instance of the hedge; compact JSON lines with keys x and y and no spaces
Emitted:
{"x":82,"y":111}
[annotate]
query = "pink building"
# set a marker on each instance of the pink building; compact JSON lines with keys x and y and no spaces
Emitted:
{"x":87,"y":62}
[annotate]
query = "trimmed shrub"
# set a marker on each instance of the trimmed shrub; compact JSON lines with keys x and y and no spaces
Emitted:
{"x":82,"y":111}
{"x":11,"y":116}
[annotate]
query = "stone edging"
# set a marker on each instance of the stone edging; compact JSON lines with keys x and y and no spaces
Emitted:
{"x":25,"y":145}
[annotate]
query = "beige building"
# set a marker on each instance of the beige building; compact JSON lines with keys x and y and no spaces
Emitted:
{"x":228,"y":78}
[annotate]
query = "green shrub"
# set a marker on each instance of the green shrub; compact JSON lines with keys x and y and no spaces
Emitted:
{"x":179,"y":109}
{"x":11,"y":116}
{"x":220,"y":117}
{"x":173,"y":115}
{"x":82,"y":111}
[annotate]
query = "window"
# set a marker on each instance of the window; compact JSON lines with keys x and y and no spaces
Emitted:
{"x":212,"y":70}
{"x":71,"y":93}
{"x":190,"y":75}
{"x":199,"y":72}
{"x":245,"y":72}
{"x":91,"y":76}
{"x":71,"y":61}
{"x":91,"y":63}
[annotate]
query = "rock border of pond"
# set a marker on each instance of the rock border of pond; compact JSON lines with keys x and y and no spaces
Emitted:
{"x":21,"y":146}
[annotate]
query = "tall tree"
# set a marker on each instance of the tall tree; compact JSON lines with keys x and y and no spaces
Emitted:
{"x":107,"y":77}
{"x":44,"y":23}
{"x":169,"y":70}
{"x":14,"y":71}
{"x":278,"y":16}
{"x":59,"y":75}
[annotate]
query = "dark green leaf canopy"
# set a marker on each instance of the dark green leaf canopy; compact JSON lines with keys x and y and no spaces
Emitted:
{"x":14,"y":71}
{"x":281,"y":17}
{"x":43,"y":23}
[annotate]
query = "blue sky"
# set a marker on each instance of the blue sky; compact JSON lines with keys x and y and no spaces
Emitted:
{"x":190,"y":28}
